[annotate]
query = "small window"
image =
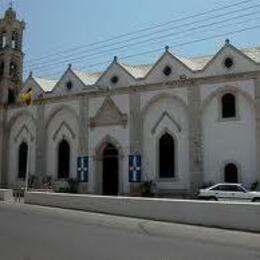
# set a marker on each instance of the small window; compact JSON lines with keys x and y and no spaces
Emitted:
{"x":69,"y":85}
{"x":231,"y":173}
{"x":228,"y":62}
{"x":114,"y":79}
{"x":167,"y":71}
{"x":228,"y":106}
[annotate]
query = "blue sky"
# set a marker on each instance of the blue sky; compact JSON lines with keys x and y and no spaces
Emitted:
{"x":57,"y":25}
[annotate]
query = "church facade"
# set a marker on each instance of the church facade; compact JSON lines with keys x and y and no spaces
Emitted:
{"x":181,"y":122}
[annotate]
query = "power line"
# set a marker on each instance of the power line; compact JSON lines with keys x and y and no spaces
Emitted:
{"x":145,"y":29}
{"x":177,"y":45}
{"x":138,"y":37}
{"x":192,"y":29}
{"x":49,"y":68}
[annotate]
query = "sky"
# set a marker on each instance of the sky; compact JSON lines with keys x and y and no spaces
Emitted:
{"x":56,"y":26}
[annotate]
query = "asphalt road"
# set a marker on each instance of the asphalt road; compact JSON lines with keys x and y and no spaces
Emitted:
{"x":39,"y":233}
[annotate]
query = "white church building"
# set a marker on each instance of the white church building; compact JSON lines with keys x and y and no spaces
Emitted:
{"x":180,"y":122}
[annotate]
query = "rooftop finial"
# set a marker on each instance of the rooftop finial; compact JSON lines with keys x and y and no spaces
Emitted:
{"x":227,"y":41}
{"x":69,"y":65}
{"x":115,"y":58}
{"x":167,"y":48}
{"x":11,"y":4}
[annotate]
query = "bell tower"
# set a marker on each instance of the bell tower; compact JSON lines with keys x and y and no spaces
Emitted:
{"x":11,"y":56}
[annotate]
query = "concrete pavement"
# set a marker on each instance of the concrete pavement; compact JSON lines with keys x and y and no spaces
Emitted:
{"x":41,"y":233}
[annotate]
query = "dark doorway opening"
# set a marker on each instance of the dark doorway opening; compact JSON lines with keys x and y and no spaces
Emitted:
{"x":166,"y":156}
{"x":22,"y":162}
{"x":63,"y":160}
{"x":110,"y":170}
{"x":231,"y":175}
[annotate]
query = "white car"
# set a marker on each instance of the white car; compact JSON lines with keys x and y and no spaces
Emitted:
{"x":228,"y":191}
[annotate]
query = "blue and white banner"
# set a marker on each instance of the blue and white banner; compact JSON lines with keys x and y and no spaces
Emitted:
{"x":135,"y":168}
{"x":82,"y":168}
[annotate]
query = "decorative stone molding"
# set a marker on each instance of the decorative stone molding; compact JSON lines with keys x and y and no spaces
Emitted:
{"x":108,"y":114}
{"x":24,"y":128}
{"x":64,"y":124}
{"x":166,"y":114}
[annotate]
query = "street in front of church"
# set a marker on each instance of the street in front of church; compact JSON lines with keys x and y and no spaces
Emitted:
{"x":39,"y":233}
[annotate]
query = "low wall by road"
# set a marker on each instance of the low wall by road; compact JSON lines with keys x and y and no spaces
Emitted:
{"x":6,"y":195}
{"x":231,"y":215}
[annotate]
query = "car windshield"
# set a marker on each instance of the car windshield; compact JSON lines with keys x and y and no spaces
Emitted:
{"x":227,"y":187}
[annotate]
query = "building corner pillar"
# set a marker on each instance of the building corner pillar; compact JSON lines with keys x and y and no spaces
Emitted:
{"x":83,"y":142}
{"x":3,"y":149}
{"x":40,"y":145}
{"x":135,"y":135}
{"x":257,"y":116}
{"x":195,"y":139}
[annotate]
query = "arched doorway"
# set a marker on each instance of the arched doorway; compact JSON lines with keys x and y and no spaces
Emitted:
{"x":22,"y":160}
{"x":63,"y":160}
{"x":231,"y":173}
{"x":110,"y":170}
{"x":166,"y":156}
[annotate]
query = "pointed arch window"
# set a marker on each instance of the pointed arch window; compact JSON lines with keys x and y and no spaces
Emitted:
{"x":166,"y":156}
{"x":11,"y":96}
{"x":231,"y":173}
{"x":22,"y":160}
{"x":63,"y":160}
{"x":13,"y":70}
{"x":228,"y":102}
{"x":3,"y":40}
{"x":2,"y":68}
{"x":14,"y":42}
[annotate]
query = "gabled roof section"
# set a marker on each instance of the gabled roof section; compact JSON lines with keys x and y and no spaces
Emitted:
{"x":137,"y":70}
{"x":244,"y":60}
{"x":108,"y":114}
{"x":31,"y":83}
{"x":179,"y":67}
{"x":88,"y":78}
{"x":47,"y":85}
{"x":115,"y":69}
{"x":252,"y":53}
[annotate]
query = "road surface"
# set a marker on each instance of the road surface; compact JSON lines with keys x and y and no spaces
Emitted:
{"x":41,"y":233}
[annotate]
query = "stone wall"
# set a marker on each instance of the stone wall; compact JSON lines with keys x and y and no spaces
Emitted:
{"x":236,"y":215}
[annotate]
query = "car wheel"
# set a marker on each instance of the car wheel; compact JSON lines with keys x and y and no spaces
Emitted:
{"x":213,"y":198}
{"x":256,"y":199}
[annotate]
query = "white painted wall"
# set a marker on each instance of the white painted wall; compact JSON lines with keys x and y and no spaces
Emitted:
{"x":62,"y":124}
{"x":23,"y":129}
{"x":118,"y":135}
{"x":216,"y":214}
{"x":153,"y":121}
{"x":231,"y":140}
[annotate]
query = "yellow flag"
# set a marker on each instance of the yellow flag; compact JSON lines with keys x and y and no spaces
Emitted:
{"x":27,"y":97}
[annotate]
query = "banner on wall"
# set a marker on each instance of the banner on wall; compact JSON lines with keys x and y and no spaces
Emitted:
{"x":82,"y":168}
{"x":135,"y":168}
